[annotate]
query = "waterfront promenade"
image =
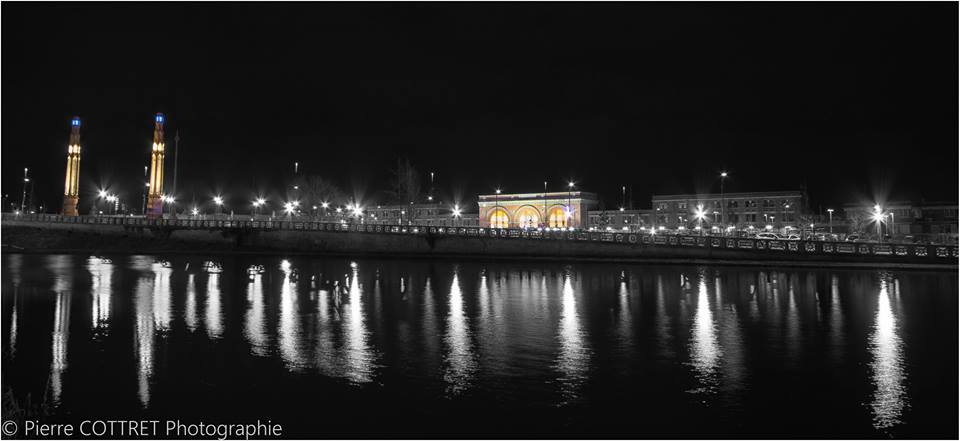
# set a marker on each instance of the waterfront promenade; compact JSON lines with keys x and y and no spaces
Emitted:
{"x":96,"y":234}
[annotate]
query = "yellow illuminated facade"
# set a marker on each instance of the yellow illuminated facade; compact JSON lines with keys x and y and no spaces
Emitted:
{"x":71,"y":187}
{"x":536,"y":210}
{"x":155,"y":193}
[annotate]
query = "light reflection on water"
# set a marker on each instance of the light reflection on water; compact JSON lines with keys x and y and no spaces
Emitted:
{"x":460,"y":357}
{"x":143,"y":345}
{"x":704,"y":348}
{"x":255,"y":328}
{"x":574,"y":358}
{"x":214,"y":316}
{"x":469,"y":329}
{"x":889,"y":399}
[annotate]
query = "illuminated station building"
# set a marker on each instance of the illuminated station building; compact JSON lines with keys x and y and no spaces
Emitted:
{"x":155,"y":193}
{"x":71,"y":190}
{"x":566,"y":209}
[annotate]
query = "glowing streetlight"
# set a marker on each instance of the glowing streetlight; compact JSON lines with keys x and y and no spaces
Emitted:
{"x":723,"y":200}
{"x":219,"y":201}
{"x":878,"y":218}
{"x":456,"y":213}
{"x":699,"y":214}
{"x":830,"y":214}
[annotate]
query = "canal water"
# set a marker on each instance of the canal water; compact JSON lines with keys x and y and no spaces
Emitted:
{"x":336,"y":347}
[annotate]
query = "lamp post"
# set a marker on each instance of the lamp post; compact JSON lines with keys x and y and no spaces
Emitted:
{"x":26,"y":180}
{"x":878,"y":218}
{"x":569,"y":213}
{"x":723,"y":201}
{"x":324,"y":205}
{"x":543,"y":222}
{"x":830,"y":215}
{"x":456,"y":215}
{"x":699,"y":215}
{"x":496,"y":207}
{"x":219,"y":201}
{"x":146,"y":188}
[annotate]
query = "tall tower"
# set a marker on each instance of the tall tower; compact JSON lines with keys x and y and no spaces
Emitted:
{"x":155,"y":194}
{"x":71,"y":188}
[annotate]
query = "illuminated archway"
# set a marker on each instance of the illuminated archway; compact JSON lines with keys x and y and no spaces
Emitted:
{"x":499,"y":218}
{"x":557,"y":217}
{"x":528,"y":217}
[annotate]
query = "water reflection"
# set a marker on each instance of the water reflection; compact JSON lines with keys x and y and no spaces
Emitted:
{"x":704,"y":348}
{"x":214,"y":317}
{"x":254,"y":328}
{"x":143,"y":343}
{"x":161,"y":296}
{"x":889,"y":399}
{"x":360,"y":359}
{"x":752,"y":345}
{"x":101,"y":271}
{"x":290,"y":334}
{"x":460,"y":358}
{"x":573,"y":361}
{"x":190,"y":310}
{"x":61,"y":334}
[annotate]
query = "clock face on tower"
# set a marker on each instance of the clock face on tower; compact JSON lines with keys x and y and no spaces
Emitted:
{"x":160,"y":118}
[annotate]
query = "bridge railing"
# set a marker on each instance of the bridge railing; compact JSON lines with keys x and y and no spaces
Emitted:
{"x":929,"y":251}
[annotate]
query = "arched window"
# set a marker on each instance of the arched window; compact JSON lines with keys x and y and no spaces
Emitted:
{"x":499,"y":218}
{"x":528,"y":217}
{"x":557,"y":218}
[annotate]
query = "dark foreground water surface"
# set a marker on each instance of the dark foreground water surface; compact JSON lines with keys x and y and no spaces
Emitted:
{"x":339,"y":347}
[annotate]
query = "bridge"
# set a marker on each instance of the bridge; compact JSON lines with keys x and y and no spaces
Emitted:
{"x":53,"y":233}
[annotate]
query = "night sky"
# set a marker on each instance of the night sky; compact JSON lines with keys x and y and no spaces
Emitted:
{"x":851,"y":101}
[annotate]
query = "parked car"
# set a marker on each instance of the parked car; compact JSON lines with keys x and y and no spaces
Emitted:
{"x":767,"y":236}
{"x":853,"y":238}
{"x":789,"y":237}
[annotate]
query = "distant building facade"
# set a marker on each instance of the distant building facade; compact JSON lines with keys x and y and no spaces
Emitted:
{"x":624,"y":220}
{"x":535,"y":210}
{"x":432,"y":214}
{"x":920,"y":221}
{"x":741,"y":210}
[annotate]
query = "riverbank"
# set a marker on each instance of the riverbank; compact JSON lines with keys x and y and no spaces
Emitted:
{"x":175,"y":237}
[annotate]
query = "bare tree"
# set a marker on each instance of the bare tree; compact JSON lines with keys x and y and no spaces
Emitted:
{"x":406,"y":182}
{"x":315,"y":190}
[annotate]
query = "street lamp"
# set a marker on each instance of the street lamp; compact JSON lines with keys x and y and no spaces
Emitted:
{"x":496,"y":207}
{"x":167,"y":199}
{"x":830,"y":214}
{"x":26,"y":180}
{"x":219,"y":201}
{"x":569,"y":213}
{"x":723,"y":201}
{"x":699,"y":214}
{"x":878,"y":217}
{"x":456,"y":214}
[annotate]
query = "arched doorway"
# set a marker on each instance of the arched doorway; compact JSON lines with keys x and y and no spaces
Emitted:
{"x":528,"y":217}
{"x":499,"y":218}
{"x":557,"y":217}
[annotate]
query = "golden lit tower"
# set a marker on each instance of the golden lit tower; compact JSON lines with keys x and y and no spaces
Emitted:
{"x":71,"y":188}
{"x":155,"y":194}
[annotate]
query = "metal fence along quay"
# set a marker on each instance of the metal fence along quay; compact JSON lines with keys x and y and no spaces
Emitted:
{"x":929,"y":252}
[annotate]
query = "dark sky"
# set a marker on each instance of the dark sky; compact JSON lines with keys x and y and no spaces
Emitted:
{"x":853,"y":101}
